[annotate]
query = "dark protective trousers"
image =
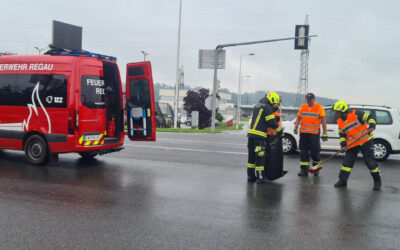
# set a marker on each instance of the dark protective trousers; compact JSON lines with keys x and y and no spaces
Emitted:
{"x":309,"y":145}
{"x":254,"y":162}
{"x":351,"y":156}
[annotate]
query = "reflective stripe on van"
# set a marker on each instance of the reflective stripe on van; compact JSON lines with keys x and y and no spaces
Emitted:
{"x":100,"y":141}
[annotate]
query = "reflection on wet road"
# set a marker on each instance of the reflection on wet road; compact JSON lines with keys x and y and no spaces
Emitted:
{"x":190,"y":191}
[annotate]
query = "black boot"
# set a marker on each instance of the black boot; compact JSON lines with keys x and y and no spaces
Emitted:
{"x":343,"y":176}
{"x":377,"y":181}
{"x":251,"y":175}
{"x":262,"y":181}
{"x":303,"y":171}
{"x":261,"y":177}
{"x":341,"y":183}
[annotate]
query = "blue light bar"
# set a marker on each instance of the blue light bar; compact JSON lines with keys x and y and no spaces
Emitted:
{"x":83,"y":53}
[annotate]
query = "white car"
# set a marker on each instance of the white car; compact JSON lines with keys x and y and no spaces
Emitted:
{"x":386,"y":135}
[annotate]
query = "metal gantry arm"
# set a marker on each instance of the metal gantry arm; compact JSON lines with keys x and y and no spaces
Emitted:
{"x":218,"y":50}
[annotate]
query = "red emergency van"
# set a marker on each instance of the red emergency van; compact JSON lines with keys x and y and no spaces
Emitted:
{"x":72,"y":102}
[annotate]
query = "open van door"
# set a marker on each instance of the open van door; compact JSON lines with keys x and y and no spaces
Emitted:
{"x":140,"y":108}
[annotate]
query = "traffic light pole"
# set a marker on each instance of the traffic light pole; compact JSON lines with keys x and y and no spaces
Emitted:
{"x":217,"y":51}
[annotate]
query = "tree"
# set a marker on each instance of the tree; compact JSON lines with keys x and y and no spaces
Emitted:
{"x":219,"y":117}
{"x":194,"y":101}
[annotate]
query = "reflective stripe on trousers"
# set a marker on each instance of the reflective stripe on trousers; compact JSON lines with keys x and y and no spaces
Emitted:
{"x":347,"y":169}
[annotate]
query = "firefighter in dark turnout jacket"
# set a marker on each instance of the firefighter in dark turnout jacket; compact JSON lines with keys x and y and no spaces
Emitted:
{"x":262,"y":119}
{"x":355,"y":130}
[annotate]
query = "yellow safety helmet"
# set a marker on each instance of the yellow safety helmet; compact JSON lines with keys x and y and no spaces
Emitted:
{"x":340,"y":106}
{"x":273,"y":98}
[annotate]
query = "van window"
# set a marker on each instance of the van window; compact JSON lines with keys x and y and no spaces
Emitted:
{"x":136,"y":71}
{"x":93,"y":92}
{"x":17,"y":90}
{"x":6,"y":88}
{"x":140,"y":93}
{"x":383,"y":117}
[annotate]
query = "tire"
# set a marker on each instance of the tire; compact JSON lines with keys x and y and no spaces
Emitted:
{"x":88,"y":155}
{"x":288,"y":144}
{"x":381,"y":150}
{"x":36,"y":150}
{"x":188,"y":124}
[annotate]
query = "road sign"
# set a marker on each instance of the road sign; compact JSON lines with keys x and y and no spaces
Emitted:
{"x":207,"y":59}
{"x":207,"y":102}
{"x":301,"y":31}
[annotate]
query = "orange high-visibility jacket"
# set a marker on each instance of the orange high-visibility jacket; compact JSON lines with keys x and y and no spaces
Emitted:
{"x":310,"y":118}
{"x":356,"y":132}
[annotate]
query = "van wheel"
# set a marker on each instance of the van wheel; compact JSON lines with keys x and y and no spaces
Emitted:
{"x":381,"y":150}
{"x":88,"y":155}
{"x":288,"y":144}
{"x":36,"y":150}
{"x":188,"y":124}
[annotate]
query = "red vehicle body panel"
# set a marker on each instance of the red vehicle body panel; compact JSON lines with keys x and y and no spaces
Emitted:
{"x":142,"y":74}
{"x":54,"y":123}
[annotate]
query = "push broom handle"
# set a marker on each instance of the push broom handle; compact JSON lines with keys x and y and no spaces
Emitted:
{"x":330,"y":157}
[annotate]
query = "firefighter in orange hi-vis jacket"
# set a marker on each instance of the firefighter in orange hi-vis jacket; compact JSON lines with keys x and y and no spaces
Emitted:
{"x":355,"y":130}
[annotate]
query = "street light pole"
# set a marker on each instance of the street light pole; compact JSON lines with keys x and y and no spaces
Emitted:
{"x":144,"y":55}
{"x":239,"y":99}
{"x":177,"y":68}
{"x":240,"y":111}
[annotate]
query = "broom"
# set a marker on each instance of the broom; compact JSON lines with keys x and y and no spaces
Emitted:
{"x":318,"y":167}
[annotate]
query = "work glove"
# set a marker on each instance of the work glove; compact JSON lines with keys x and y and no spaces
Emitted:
{"x":324,"y":137}
{"x":260,"y":151}
{"x":296,"y":130}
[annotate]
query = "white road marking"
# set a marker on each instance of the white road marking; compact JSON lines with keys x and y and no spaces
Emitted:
{"x":206,"y":142}
{"x":187,"y":149}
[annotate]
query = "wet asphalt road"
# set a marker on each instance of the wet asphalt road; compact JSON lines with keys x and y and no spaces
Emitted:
{"x":189,"y":191}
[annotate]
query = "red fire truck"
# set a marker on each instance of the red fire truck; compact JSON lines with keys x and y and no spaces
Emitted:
{"x":72,"y":102}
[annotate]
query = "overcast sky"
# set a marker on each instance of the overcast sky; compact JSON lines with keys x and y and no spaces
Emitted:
{"x":355,"y":56}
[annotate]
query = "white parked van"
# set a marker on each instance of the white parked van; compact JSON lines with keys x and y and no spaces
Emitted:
{"x":386,"y":135}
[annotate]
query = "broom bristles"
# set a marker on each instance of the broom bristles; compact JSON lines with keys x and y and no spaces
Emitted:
{"x":315,"y":169}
